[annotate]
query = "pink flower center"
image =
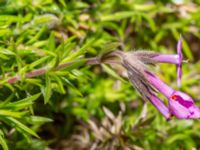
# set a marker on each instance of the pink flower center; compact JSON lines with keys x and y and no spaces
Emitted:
{"x":181,"y":101}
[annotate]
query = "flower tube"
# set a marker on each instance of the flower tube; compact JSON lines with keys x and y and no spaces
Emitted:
{"x":162,"y":108}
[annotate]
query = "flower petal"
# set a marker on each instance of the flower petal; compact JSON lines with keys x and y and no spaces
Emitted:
{"x":179,"y":65}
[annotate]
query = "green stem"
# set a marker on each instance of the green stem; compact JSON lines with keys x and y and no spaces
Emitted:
{"x":41,"y":71}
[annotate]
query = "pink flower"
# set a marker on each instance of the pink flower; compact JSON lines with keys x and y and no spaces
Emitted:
{"x":147,"y":84}
{"x":180,"y":104}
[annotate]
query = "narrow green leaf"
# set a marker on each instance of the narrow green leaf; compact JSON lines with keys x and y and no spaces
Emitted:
{"x":51,"y":42}
{"x":34,"y":81}
{"x":2,"y":56}
{"x":22,"y":126}
{"x":4,"y":32}
{"x":81,"y":51}
{"x":145,"y":7}
{"x":9,"y":18}
{"x":75,"y":65}
{"x":110,"y":46}
{"x":22,"y":103}
{"x":38,"y":119}
{"x":46,"y":19}
{"x":6,"y":52}
{"x":3,"y":142}
{"x":117,"y":16}
{"x":112,"y":73}
{"x":80,"y":112}
{"x":72,"y":87}
{"x":38,"y":62}
{"x":8,"y":99}
{"x":11,"y":113}
{"x":65,"y":48}
{"x":63,"y":3}
{"x":37,"y":36}
{"x":150,"y":21}
{"x":47,"y":90}
{"x":60,"y":84}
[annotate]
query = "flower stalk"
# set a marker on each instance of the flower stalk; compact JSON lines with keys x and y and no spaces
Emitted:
{"x":42,"y":71}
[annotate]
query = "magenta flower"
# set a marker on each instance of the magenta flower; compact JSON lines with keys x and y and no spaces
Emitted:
{"x":180,"y":104}
{"x":173,"y":59}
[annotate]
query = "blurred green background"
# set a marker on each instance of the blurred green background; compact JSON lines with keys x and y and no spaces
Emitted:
{"x":92,"y":106}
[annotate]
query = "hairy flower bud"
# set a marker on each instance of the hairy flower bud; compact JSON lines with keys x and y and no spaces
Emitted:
{"x":136,"y":74}
{"x":149,"y":57}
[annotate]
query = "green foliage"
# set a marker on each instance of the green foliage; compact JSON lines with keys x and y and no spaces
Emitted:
{"x":45,"y":99}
